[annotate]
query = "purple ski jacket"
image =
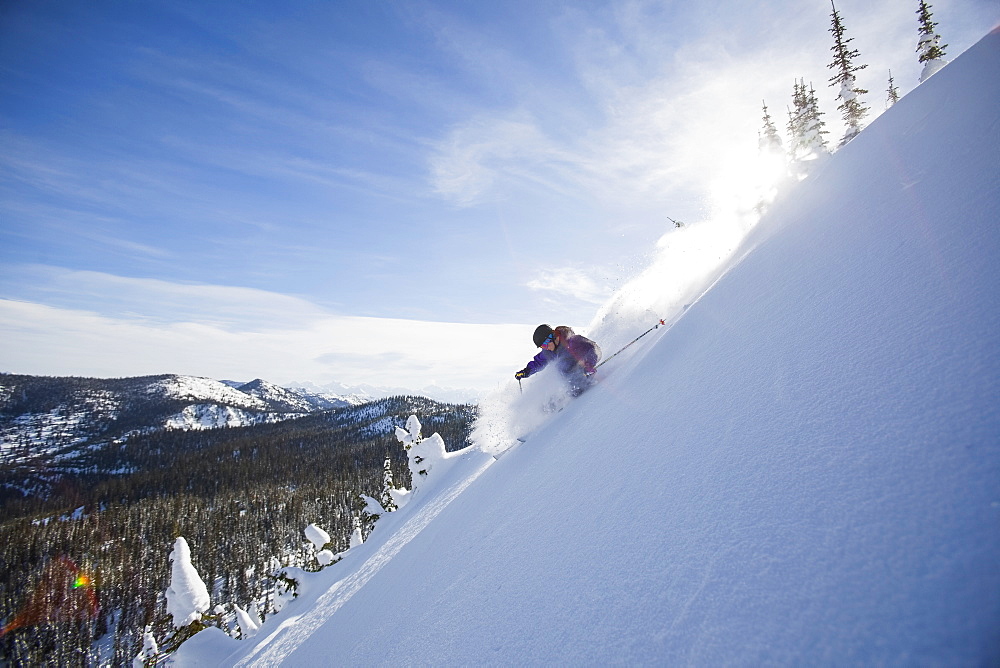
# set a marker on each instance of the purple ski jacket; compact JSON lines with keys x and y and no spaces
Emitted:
{"x":575,"y":354}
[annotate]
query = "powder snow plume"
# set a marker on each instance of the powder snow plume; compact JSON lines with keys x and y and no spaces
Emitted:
{"x":683,"y":264}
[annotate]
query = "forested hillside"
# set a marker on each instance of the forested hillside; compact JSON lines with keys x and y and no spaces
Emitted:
{"x":54,"y":428}
{"x":240,"y":496}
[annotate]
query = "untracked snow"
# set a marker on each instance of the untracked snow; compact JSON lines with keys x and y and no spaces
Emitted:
{"x":803,"y":469}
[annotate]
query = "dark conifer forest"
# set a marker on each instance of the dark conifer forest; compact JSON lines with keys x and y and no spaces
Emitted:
{"x":84,"y":555}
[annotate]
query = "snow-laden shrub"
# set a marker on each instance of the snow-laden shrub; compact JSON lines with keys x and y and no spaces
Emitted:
{"x":320,"y":538}
{"x":317,"y":536}
{"x":149,"y":649}
{"x":424,"y":453}
{"x":248,"y":620}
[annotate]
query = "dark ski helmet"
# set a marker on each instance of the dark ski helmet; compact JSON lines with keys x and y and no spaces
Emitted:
{"x":542,"y":332}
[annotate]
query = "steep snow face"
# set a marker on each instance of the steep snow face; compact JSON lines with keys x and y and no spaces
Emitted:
{"x":802,"y":470}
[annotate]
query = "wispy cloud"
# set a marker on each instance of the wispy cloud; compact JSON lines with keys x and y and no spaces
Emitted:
{"x":669,"y":111}
{"x":572,"y":282}
{"x":156,"y":301}
{"x":149,"y":326}
{"x":408,"y":171}
{"x":467,"y":165}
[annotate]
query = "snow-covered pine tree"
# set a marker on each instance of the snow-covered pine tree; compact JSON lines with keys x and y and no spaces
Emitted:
{"x":929,"y":48}
{"x":892,"y":91}
{"x":248,"y":621}
{"x":843,"y":65}
{"x":424,"y":453}
{"x":357,"y":537}
{"x":796,"y":122}
{"x":147,"y":655}
{"x":806,"y":127}
{"x":768,"y":140}
{"x":187,"y":596}
{"x":319,"y":538}
{"x":387,"y":485}
{"x":772,"y":163}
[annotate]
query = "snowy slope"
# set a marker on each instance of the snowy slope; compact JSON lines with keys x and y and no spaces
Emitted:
{"x":804,"y":469}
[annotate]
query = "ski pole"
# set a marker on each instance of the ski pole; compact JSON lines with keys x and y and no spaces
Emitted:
{"x":631,"y":342}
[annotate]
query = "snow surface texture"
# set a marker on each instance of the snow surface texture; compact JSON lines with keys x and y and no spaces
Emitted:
{"x":803,"y":470}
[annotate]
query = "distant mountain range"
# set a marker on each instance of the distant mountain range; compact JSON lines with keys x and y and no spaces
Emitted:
{"x":366,"y":392}
{"x":58,"y":428}
{"x":45,"y":414}
{"x":45,"y":418}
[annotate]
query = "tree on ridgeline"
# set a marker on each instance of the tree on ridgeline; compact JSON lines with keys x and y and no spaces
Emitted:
{"x":929,"y":48}
{"x":806,"y":128}
{"x":814,"y":125}
{"x":768,"y":140}
{"x":844,"y":67}
{"x":796,"y":123}
{"x":892,"y":92}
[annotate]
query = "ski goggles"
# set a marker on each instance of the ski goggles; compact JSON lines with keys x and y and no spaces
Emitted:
{"x":548,"y":339}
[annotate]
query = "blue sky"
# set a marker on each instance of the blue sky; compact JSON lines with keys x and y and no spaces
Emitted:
{"x":383,"y":192}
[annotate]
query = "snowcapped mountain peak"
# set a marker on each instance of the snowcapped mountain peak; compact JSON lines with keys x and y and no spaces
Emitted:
{"x":197,"y":389}
{"x":277,"y":397}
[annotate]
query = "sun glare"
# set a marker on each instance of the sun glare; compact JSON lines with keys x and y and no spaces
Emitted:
{"x":747,"y":183}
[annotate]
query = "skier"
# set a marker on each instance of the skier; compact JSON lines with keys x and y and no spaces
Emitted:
{"x":574,"y":356}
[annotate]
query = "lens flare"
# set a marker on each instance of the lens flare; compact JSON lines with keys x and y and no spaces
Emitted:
{"x":62,"y":593}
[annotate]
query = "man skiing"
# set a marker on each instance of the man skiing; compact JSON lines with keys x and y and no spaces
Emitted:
{"x":574,"y":356}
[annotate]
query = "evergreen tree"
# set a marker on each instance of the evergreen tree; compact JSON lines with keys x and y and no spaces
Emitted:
{"x":806,"y":127}
{"x":814,"y":126}
{"x":843,"y":65}
{"x":893,"y":92}
{"x":387,"y":486}
{"x":768,"y":140}
{"x":929,"y":49}
{"x":241,"y":494}
{"x":150,"y":649}
{"x":796,"y":122}
{"x":187,"y":596}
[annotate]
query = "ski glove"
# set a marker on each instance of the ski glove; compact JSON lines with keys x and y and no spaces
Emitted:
{"x":523,"y":373}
